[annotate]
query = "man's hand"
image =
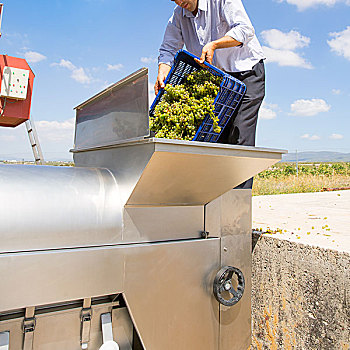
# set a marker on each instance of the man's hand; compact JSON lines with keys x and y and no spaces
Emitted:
{"x":207,"y":53}
{"x":163,"y":70}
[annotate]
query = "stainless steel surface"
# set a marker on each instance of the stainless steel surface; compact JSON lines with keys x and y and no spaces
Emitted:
{"x":128,"y":221}
{"x":85,"y":323}
{"x":4,"y":340}
{"x":230,"y":218}
{"x":172,"y":172}
{"x":168,"y":290}
{"x":106,"y":325}
{"x":127,"y":164}
{"x":47,"y":277}
{"x":147,"y":224}
{"x":55,"y":207}
{"x":58,"y":330}
{"x":120,"y":112}
{"x":61,"y":207}
{"x":122,"y":328}
{"x":29,"y":325}
{"x":163,"y":284}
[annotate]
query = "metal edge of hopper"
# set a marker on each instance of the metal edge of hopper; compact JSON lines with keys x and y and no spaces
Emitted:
{"x":91,"y":135}
{"x":139,"y":73}
{"x":195,"y":173}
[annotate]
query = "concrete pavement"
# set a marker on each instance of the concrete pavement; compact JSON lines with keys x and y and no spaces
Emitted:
{"x":319,"y":219}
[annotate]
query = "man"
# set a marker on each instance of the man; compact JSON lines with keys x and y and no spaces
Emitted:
{"x":219,"y":32}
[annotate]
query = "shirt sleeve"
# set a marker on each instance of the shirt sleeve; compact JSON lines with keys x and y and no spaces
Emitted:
{"x":234,"y":14}
{"x":172,"y":42}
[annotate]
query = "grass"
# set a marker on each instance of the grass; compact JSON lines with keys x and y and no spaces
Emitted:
{"x":298,"y":184}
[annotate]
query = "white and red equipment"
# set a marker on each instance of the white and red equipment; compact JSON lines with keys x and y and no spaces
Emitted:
{"x":17,"y":80}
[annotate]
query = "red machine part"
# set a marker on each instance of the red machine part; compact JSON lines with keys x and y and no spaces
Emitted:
{"x":15,"y":111}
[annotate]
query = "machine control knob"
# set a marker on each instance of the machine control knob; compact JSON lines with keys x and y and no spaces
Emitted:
{"x":224,"y":290}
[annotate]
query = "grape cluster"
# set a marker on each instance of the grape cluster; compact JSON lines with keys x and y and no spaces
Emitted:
{"x":183,"y":107}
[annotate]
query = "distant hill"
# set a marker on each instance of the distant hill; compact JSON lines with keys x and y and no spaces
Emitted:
{"x":321,"y":156}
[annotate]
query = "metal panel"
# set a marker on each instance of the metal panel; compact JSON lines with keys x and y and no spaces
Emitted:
{"x":168,"y":286}
{"x":168,"y":291}
{"x":127,"y":163}
{"x":146,"y":224}
{"x":195,"y":173}
{"x":39,"y":278}
{"x":57,"y":207}
{"x":14,"y":328}
{"x":120,"y":112}
{"x":230,"y":217}
{"x":4,"y":340}
{"x":59,"y":330}
{"x":173,"y":172}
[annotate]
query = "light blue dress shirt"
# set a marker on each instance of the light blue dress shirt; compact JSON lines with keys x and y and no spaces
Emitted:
{"x":214,"y":19}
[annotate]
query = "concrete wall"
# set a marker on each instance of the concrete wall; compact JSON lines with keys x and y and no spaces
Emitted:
{"x":300,"y":296}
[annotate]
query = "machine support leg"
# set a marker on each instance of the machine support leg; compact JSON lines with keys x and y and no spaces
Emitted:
{"x":29,"y":324}
{"x":85,"y":323}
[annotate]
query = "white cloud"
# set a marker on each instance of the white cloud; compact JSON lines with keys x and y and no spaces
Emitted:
{"x":65,"y":64}
{"x":341,"y":43}
{"x":78,"y":73}
{"x":34,"y":57}
{"x":336,"y":91}
{"x":308,"y":108}
{"x":117,"y":67}
{"x":56,"y":138}
{"x":56,"y":130}
{"x":310,"y":137}
{"x":16,"y":39}
{"x":285,"y":58}
{"x":14,"y":143}
{"x":149,"y":60}
{"x":284,"y":41}
{"x":305,"y":4}
{"x":268,"y":111}
{"x":281,"y":48}
{"x":80,"y":76}
{"x":336,"y":137}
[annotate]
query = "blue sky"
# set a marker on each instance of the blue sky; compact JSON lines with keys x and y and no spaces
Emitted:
{"x":76,"y":48}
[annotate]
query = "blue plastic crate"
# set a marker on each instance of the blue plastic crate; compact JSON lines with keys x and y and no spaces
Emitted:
{"x":225,"y":103}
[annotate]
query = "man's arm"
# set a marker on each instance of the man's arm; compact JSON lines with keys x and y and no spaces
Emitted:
{"x":172,"y":42}
{"x":240,"y":31}
{"x":222,"y":43}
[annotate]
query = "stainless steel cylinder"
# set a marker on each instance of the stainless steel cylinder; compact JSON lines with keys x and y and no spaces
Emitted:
{"x":57,"y":207}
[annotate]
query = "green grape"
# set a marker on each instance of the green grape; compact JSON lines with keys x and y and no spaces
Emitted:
{"x":183,"y":107}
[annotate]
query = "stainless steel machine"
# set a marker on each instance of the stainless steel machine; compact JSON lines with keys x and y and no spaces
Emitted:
{"x":142,"y":245}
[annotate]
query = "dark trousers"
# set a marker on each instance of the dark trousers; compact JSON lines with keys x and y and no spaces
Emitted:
{"x":241,"y":129}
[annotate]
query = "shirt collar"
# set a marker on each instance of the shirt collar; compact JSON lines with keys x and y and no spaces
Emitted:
{"x":202,"y":6}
